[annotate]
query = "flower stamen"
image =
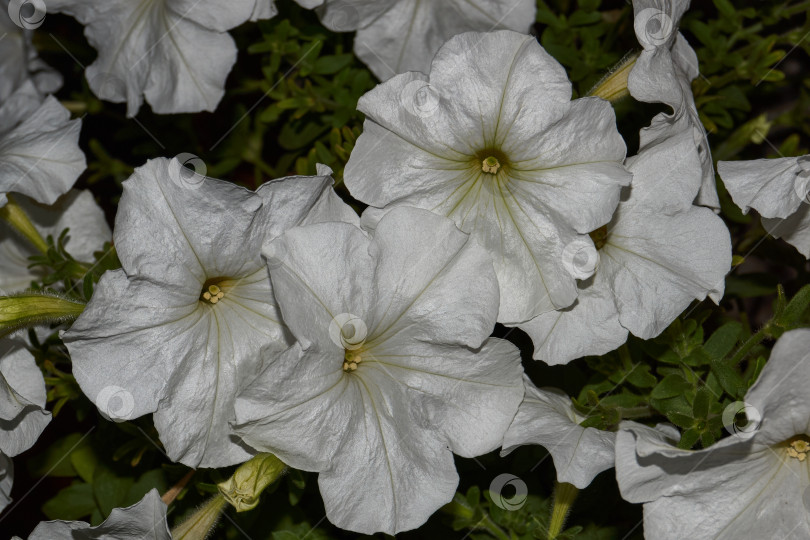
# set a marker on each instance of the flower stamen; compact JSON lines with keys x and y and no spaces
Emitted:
{"x":351,"y":359}
{"x":213,"y":295}
{"x":491,"y":165}
{"x":799,"y":449}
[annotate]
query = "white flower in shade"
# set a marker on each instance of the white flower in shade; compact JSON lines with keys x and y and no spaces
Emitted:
{"x":753,"y":484}
{"x":39,"y":146}
{"x":22,"y":399}
{"x":776,"y":188}
{"x":547,"y":417}
{"x":393,"y":371}
{"x":177,"y":331}
{"x":144,"y":520}
{"x":19,"y":61}
{"x":663,"y":73}
{"x":396,"y":36}
{"x":176,"y":53}
{"x":77,"y":211}
{"x":492,"y":140}
{"x":6,"y":480}
{"x":657,"y":255}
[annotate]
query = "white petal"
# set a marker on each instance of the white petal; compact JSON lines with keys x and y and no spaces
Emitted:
{"x":22,"y":399}
{"x":588,"y":327}
{"x":430,"y":281}
{"x":407,"y":35}
{"x":305,"y":264}
{"x":19,"y":60}
{"x":780,"y":392}
{"x":729,"y":490}
{"x":773,"y":187}
{"x":794,"y":230}
{"x":174,"y":52}
{"x":662,"y":263}
{"x":173,"y":227}
{"x":40,"y":156}
{"x":144,"y":520}
{"x":547,"y":417}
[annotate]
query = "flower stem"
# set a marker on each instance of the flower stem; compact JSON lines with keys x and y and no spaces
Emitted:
{"x":16,"y":217}
{"x":492,"y":528}
{"x":30,"y":309}
{"x":750,"y":343}
{"x":202,"y":521}
{"x":564,"y":496}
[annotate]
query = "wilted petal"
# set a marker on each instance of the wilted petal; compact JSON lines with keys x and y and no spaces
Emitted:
{"x":548,"y":418}
{"x":22,"y":399}
{"x":144,"y":520}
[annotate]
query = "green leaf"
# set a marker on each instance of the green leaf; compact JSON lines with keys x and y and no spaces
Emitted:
{"x":794,"y":310}
{"x":55,"y":461}
{"x":110,"y":490}
{"x":72,"y":503}
{"x":723,"y":339}
{"x":670,"y":386}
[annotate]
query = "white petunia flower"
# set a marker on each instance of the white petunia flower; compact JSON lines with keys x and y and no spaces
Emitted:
{"x":144,"y":520}
{"x":76,"y":210}
{"x":177,"y":331}
{"x":663,"y":73}
{"x":547,"y":417}
{"x":776,"y":188}
{"x":393,"y":371}
{"x":396,"y":36}
{"x":22,"y":399}
{"x":19,"y":61}
{"x":492,"y":140}
{"x":39,"y":151}
{"x":22,"y":408}
{"x":176,"y":53}
{"x":754,"y":484}
{"x":657,"y":255}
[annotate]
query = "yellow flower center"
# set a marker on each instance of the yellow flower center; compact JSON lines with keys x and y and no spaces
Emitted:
{"x":351,"y":359}
{"x":491,"y":165}
{"x":599,"y":236}
{"x":213,"y":290}
{"x":213,"y":295}
{"x":799,"y":448}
